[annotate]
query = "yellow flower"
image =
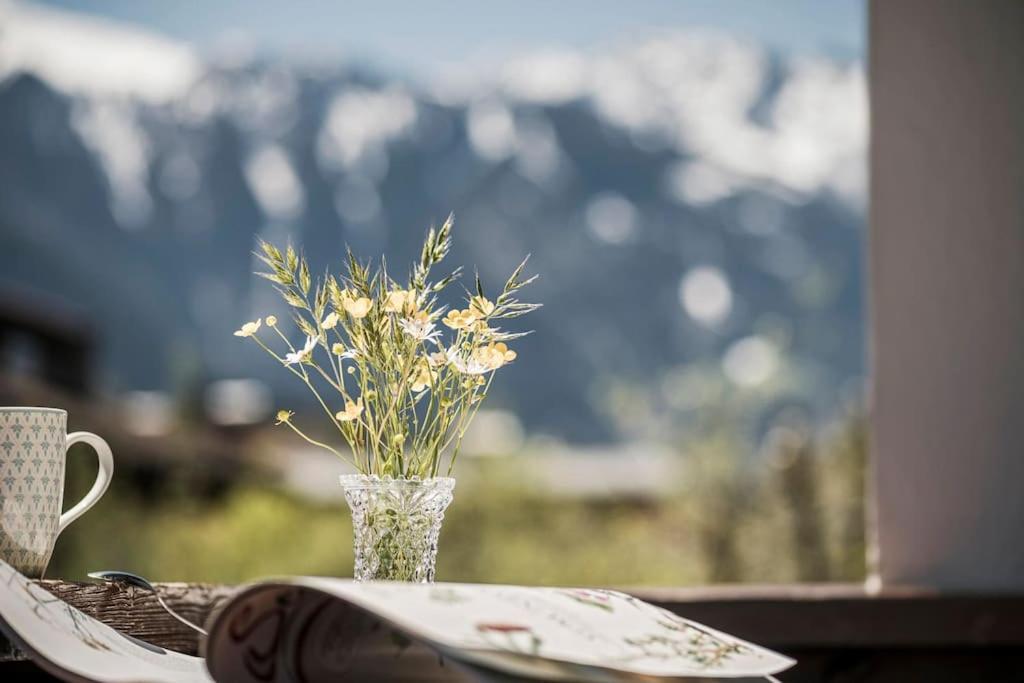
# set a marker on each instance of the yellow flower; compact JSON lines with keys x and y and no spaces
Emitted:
{"x":330,"y":321}
{"x":481,"y":306}
{"x":486,"y":359}
{"x":437,"y":359}
{"x":338,"y":349}
{"x":358,"y":308}
{"x":507,"y":354}
{"x":422,"y":376}
{"x":248,"y":329}
{"x":351,"y":412}
{"x":271,"y":320}
{"x":347,"y":297}
{"x":494,"y":355}
{"x":284,"y":416}
{"x":458,"y":320}
{"x":400,"y":300}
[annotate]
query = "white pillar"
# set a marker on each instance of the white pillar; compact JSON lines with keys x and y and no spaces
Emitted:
{"x":947,"y":291}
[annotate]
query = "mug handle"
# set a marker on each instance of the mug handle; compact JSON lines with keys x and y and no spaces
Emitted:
{"x":106,"y":472}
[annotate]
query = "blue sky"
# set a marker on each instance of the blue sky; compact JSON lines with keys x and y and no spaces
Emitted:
{"x":416,"y":35}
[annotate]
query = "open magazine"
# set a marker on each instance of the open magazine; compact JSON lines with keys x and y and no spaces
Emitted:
{"x":318,"y":629}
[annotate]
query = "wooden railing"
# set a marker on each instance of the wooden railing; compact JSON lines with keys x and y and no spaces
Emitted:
{"x":837,"y":632}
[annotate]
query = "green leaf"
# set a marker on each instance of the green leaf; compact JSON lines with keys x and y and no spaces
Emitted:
{"x":513,"y":280}
{"x":444,"y":282}
{"x":293,"y":299}
{"x":284,"y":277}
{"x":335,"y":293}
{"x":306,"y":326}
{"x":304,"y":279}
{"x":269,"y":276}
{"x":321,"y":301}
{"x":444,"y":238}
{"x":271,"y":251}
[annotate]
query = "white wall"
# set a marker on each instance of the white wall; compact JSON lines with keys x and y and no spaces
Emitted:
{"x":947,"y":277}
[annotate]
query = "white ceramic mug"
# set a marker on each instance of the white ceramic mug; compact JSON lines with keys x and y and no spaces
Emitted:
{"x":33,"y":447}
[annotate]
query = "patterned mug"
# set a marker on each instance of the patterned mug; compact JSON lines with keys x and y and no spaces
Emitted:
{"x":33,"y":447}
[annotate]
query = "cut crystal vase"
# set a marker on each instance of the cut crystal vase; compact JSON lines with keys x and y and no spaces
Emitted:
{"x":395,"y":525}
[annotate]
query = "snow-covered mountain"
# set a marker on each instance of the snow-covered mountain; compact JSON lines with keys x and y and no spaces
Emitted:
{"x":695,"y":204}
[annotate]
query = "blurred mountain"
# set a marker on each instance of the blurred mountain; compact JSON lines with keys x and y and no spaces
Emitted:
{"x":693,"y":204}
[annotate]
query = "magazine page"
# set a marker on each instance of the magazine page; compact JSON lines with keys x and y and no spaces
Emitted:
{"x":549,"y":633}
{"x":76,"y":647}
{"x":283,"y":633}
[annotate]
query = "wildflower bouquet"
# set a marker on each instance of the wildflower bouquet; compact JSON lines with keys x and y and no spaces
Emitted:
{"x":399,"y":376}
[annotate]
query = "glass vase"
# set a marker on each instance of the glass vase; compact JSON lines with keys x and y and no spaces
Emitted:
{"x":395,"y":525}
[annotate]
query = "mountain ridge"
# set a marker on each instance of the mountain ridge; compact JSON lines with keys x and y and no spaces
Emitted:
{"x":667,"y":237}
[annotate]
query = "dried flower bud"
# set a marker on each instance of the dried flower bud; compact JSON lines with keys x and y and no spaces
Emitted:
{"x":271,"y":320}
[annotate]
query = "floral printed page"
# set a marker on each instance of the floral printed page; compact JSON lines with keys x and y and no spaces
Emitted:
{"x":76,"y":647}
{"x":549,"y":633}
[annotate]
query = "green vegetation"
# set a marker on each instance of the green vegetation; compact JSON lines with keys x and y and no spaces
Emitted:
{"x":793,"y":513}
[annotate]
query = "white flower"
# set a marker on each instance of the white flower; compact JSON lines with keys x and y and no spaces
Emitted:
{"x":467,"y":366}
{"x":302,"y":354}
{"x":419,"y":327}
{"x":248,"y":329}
